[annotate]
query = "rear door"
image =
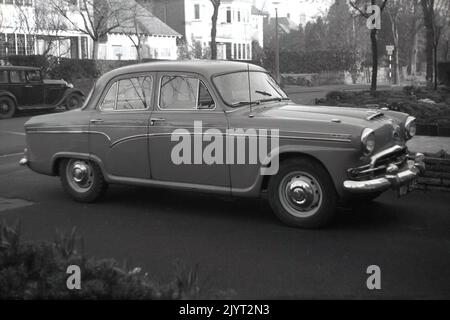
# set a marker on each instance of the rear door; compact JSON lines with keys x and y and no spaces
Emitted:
{"x":119,"y":127}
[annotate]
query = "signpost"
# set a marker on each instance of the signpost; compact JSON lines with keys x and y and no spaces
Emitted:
{"x":390,"y":51}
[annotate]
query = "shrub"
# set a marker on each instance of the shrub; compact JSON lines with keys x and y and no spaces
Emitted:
{"x":39,"y":272}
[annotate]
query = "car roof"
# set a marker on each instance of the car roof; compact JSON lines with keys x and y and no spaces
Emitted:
{"x":3,"y":68}
{"x":207,"y":68}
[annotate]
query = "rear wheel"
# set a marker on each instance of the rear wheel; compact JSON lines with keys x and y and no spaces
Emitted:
{"x":7,"y":108}
{"x":82,"y":180}
{"x":302,"y":194}
{"x":74,"y":101}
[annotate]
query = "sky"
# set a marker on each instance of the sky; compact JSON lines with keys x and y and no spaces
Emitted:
{"x":301,"y":11}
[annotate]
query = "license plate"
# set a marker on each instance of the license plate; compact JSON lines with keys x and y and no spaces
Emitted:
{"x":407,"y":188}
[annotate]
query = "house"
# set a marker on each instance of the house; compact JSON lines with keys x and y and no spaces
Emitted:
{"x":238,"y":25}
{"x":139,"y":28}
{"x":29,"y":27}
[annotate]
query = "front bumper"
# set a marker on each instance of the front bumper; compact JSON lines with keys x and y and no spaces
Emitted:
{"x":414,"y":167}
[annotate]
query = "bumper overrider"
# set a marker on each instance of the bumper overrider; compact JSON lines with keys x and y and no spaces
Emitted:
{"x":396,"y":173}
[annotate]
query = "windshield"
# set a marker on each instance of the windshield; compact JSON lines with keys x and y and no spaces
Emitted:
{"x":234,"y":88}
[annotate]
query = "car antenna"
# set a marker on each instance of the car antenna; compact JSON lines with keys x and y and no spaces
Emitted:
{"x":251,"y":115}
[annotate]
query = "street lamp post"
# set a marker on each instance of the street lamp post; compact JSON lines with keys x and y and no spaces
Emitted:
{"x":277,"y":45}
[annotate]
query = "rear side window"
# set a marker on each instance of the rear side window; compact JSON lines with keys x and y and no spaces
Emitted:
{"x":17,"y":76}
{"x":4,"y":77}
{"x":129,"y":94}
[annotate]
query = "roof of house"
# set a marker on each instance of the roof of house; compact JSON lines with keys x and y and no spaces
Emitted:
{"x":285,"y":23}
{"x":258,"y":12}
{"x":136,"y":17}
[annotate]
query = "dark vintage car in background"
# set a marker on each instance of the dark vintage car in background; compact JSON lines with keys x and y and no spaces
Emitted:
{"x":23,"y":88}
{"x":124,"y":135}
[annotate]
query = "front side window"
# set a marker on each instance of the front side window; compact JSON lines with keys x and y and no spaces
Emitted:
{"x":235,"y":88}
{"x":129,"y":94}
{"x":34,"y":76}
{"x":184,"y":93}
{"x":4,"y":77}
{"x":17,"y":76}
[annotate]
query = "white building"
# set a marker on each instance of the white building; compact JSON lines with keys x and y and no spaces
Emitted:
{"x":30,"y":27}
{"x":236,"y":27}
{"x":157,"y":40}
{"x":239,"y":23}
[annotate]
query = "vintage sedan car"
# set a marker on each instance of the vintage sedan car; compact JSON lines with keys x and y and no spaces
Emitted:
{"x":130,"y":128}
{"x":24,"y":88}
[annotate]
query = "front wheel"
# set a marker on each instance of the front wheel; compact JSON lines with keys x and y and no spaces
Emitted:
{"x":302,"y":194}
{"x":82,"y":180}
{"x":74,"y":101}
{"x":7,"y":108}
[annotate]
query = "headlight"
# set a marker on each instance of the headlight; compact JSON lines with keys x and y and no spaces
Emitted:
{"x":368,"y":142}
{"x":410,"y":128}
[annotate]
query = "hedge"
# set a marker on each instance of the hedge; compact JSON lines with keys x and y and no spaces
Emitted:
{"x":39,"y":272}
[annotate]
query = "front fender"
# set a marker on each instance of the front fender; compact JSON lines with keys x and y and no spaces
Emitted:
{"x":8,"y":94}
{"x":335,"y":159}
{"x":68,"y":92}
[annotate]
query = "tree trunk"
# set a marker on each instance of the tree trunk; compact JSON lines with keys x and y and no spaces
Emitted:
{"x":435,"y":49}
{"x":95,"y":50}
{"x":414,"y":54}
{"x":373,"y":39}
{"x":428,"y":12}
{"x":216,"y":5}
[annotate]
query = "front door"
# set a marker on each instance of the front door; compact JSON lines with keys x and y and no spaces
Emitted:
{"x":119,"y":128}
{"x":184,"y":122}
{"x":33,"y":91}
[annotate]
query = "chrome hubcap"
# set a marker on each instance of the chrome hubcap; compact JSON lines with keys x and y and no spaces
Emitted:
{"x":300,"y":194}
{"x":4,"y":107}
{"x":80,"y":176}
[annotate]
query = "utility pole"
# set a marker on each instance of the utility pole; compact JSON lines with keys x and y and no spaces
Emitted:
{"x":277,"y":46}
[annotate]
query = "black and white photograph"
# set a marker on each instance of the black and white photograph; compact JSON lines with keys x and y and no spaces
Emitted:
{"x":224,"y":154}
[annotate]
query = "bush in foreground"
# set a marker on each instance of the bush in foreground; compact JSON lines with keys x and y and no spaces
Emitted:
{"x":39,"y":272}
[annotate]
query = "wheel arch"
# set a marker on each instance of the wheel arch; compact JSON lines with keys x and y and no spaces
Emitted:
{"x":9,"y":95}
{"x":293,"y":154}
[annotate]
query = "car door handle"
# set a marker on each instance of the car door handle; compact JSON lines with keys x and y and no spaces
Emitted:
{"x":97,"y":121}
{"x":154,"y":120}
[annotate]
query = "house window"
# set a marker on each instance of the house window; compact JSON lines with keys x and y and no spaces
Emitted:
{"x":228,"y":51}
{"x":117,"y":52}
{"x":21,"y":44}
{"x":74,"y":53}
{"x":239,"y":51}
{"x":28,"y":3}
{"x":197,"y":12}
{"x":84,"y":48}
{"x":244,"y":53}
{"x":30,"y":45}
{"x":19,"y":2}
{"x":9,"y":1}
{"x":2,"y":45}
{"x":235,"y":53}
{"x":249,"y":55}
{"x":11,"y":43}
{"x":239,"y":16}
{"x":228,"y":15}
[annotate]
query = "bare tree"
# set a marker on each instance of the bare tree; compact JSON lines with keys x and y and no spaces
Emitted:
{"x":436,"y":17}
{"x":216,"y":7}
{"x":132,"y":21}
{"x":98,"y":17}
{"x":361,"y":7}
{"x":41,"y":21}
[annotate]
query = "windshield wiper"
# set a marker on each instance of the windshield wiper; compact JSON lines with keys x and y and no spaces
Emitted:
{"x":264,"y":93}
{"x":241,"y":104}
